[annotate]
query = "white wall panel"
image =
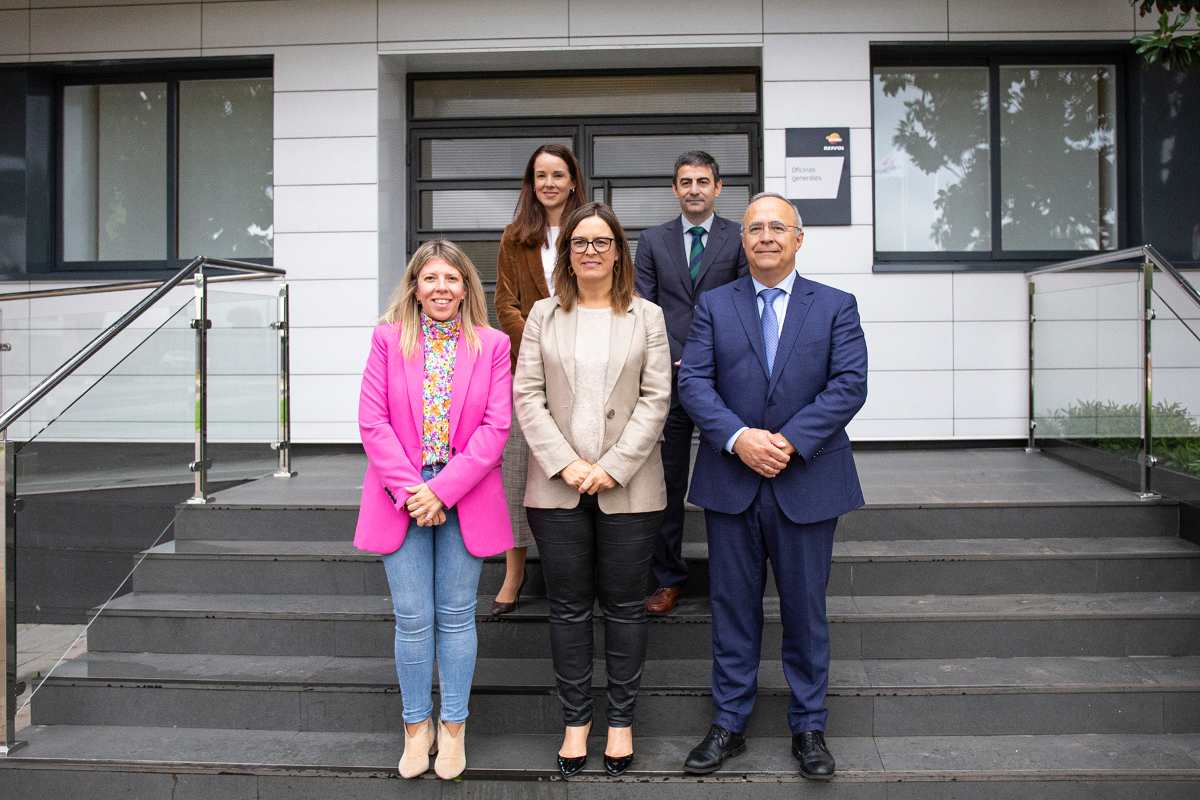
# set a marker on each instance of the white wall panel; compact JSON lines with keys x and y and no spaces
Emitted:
{"x":1178,"y":386}
{"x":323,"y":67}
{"x":909,"y":395}
{"x":288,"y":22}
{"x":812,"y":104}
{"x":991,"y":297}
{"x":1036,"y":15}
{"x":990,"y":393}
{"x":841,"y":249}
{"x":1007,"y":428}
{"x":14,"y":32}
{"x":862,"y":208}
{"x":325,"y":114}
{"x":909,"y":345}
{"x":326,"y":208}
{"x":325,"y":398}
{"x":335,"y":432}
{"x":817,"y":57}
{"x":331,"y":351}
{"x":327,"y":255}
{"x":665,"y":17}
{"x":116,"y":28}
{"x":855,"y":16}
{"x":898,"y":298}
{"x":84,"y":3}
{"x":455,"y":20}
{"x":991,"y":345}
{"x":325,"y":161}
{"x":334,"y":303}
{"x":899,"y":429}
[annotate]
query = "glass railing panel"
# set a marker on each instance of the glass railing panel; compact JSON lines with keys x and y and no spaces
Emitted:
{"x":243,"y":380}
{"x":99,"y":478}
{"x":1175,"y":345}
{"x":1086,"y":370}
{"x":43,"y":333}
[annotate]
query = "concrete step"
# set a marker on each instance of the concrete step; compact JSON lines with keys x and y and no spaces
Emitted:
{"x":925,"y":626}
{"x":934,"y":566}
{"x":875,"y":522}
{"x":866,"y":697}
{"x":101,"y":763}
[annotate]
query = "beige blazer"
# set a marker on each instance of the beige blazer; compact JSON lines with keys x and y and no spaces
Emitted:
{"x":638,"y":387}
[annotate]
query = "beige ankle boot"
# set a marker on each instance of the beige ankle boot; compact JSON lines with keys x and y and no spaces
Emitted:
{"x":452,"y":752}
{"x":417,"y":749}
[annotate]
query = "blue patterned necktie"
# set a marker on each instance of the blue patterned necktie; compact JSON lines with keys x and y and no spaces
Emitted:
{"x":697,"y":253}
{"x":770,"y":325}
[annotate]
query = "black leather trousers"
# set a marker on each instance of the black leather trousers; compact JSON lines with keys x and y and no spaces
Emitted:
{"x":587,"y":554}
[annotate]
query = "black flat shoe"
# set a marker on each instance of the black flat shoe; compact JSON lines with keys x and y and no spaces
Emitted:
{"x":499,"y":608}
{"x":572,"y":766}
{"x":816,"y":762}
{"x":617,"y":765}
{"x":718,"y":744}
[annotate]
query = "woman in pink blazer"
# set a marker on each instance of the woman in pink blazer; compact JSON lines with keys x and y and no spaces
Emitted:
{"x":434,"y":413}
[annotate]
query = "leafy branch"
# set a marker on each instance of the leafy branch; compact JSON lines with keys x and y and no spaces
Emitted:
{"x":1167,"y":44}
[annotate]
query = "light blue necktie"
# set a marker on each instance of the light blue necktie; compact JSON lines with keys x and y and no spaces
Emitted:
{"x":770,"y":325}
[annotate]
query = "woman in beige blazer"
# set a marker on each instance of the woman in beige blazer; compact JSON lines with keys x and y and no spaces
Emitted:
{"x":591,"y":391}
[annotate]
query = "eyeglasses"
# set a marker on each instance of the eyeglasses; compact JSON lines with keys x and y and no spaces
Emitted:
{"x":601,"y":244}
{"x":777,"y":228}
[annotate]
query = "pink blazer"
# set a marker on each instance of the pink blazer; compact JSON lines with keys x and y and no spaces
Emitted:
{"x":389,"y":419}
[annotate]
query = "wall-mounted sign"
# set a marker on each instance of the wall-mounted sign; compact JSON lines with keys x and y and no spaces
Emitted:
{"x":818,"y":174}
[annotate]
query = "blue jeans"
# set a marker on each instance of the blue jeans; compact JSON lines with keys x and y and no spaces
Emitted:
{"x":434,"y":580}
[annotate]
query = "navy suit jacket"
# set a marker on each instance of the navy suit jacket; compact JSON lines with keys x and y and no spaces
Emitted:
{"x":662,"y":275}
{"x":818,"y":384}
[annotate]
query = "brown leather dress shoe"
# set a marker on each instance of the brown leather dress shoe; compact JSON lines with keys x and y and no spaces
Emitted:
{"x":663,"y":600}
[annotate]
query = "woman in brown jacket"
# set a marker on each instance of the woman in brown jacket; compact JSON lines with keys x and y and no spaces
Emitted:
{"x":552,"y":188}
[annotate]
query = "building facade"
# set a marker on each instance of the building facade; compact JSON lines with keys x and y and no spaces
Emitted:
{"x":332,"y":137}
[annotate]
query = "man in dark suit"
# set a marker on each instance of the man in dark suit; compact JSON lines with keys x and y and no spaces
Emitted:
{"x":676,"y":261}
{"x":773,"y":371}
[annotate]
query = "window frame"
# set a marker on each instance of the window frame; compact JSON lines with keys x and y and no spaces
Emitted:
{"x":171,"y":74}
{"x":993,"y":57}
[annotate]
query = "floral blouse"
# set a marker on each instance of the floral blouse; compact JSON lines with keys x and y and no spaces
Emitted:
{"x":441,"y":344}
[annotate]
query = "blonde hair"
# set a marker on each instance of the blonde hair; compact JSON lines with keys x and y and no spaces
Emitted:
{"x":404,"y":309}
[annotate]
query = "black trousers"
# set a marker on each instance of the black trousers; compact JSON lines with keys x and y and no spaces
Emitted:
{"x":669,"y":567}
{"x":587,"y":554}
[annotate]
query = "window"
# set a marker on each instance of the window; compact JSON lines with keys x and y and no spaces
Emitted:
{"x":156,"y":172}
{"x":1007,"y":160}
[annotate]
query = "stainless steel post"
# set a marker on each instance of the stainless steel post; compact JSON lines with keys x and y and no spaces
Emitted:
{"x":1147,"y":457}
{"x":285,"y":387}
{"x":201,"y":324}
{"x":1031,"y":445}
{"x":8,"y":599}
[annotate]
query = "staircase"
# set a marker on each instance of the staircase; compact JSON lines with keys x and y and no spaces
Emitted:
{"x":1003,"y":626}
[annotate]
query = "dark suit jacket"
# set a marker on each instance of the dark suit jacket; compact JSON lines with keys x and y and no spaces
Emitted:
{"x":818,"y":384}
{"x":663,"y":277}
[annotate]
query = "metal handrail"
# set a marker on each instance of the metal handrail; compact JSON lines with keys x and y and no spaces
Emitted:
{"x":1151,"y":259}
{"x":195,"y":270}
{"x":128,"y":286}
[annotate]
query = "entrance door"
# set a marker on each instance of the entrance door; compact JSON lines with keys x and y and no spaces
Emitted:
{"x":466,"y":173}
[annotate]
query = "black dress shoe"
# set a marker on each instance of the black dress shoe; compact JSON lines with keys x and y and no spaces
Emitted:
{"x":500,"y":608}
{"x":571,"y":766}
{"x":616,"y":765}
{"x":717,"y":745}
{"x":816,"y":762}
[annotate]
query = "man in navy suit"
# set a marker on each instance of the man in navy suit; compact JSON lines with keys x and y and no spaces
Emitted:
{"x":676,"y":261}
{"x":773,"y":371}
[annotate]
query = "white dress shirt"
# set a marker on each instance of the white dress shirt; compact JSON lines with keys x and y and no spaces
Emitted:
{"x":549,"y":256}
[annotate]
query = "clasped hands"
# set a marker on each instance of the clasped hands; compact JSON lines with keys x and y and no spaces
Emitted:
{"x":764,"y":452}
{"x":586,"y":478}
{"x":424,"y":506}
